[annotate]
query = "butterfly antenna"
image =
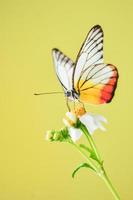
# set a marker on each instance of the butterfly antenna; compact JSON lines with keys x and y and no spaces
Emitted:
{"x":48,"y":93}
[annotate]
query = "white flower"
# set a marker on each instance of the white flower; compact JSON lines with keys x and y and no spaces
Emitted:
{"x":93,"y":122}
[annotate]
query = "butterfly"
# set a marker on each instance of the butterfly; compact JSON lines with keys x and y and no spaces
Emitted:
{"x":88,"y":79}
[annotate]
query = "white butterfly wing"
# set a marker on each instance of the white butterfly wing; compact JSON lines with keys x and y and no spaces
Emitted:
{"x":64,"y":69}
{"x":91,"y":53}
{"x":94,"y":80}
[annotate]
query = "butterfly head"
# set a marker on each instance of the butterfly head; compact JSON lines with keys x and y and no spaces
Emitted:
{"x":72,"y":94}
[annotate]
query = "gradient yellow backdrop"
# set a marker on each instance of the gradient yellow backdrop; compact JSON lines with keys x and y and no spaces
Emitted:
{"x":30,"y":167}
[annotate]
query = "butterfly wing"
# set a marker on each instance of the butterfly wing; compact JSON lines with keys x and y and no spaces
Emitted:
{"x":64,"y":69}
{"x":94,"y":80}
{"x":90,"y":53}
{"x":99,"y":85}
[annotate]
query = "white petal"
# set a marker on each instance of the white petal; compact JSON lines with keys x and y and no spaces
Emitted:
{"x":98,"y":120}
{"x":66,"y":122}
{"x":101,"y":118}
{"x":88,"y":121}
{"x":75,"y":133}
{"x":93,"y":122}
{"x":71,"y":116}
{"x":100,"y":126}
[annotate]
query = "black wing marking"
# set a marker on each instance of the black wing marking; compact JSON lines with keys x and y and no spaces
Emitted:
{"x":64,"y":69}
{"x":90,"y":53}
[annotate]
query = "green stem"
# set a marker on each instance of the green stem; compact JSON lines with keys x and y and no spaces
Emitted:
{"x":100,"y":171}
{"x":91,"y":141}
{"x":86,"y":157}
{"x":110,"y":185}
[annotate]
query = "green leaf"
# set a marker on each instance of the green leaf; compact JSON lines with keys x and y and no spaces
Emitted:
{"x":85,"y":147}
{"x":80,"y":166}
{"x":94,"y":157}
{"x":92,"y":153}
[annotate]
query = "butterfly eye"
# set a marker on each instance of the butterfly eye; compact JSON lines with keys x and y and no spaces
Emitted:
{"x":68,"y":94}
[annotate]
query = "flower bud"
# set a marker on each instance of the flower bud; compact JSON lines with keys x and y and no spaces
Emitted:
{"x":56,"y":136}
{"x":49,"y":135}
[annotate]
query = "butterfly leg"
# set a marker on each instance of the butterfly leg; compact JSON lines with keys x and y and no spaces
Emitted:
{"x":74,"y":105}
{"x":67,"y":103}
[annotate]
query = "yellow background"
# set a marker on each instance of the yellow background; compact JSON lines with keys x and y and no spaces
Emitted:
{"x":32,"y":168}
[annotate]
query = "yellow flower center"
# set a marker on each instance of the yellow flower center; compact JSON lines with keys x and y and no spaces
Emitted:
{"x":70,"y":122}
{"x":79,"y":111}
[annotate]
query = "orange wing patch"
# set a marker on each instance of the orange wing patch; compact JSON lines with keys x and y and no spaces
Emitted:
{"x":108,"y":90}
{"x":100,"y":87}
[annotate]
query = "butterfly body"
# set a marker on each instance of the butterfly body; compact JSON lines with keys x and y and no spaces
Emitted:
{"x":89,"y":79}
